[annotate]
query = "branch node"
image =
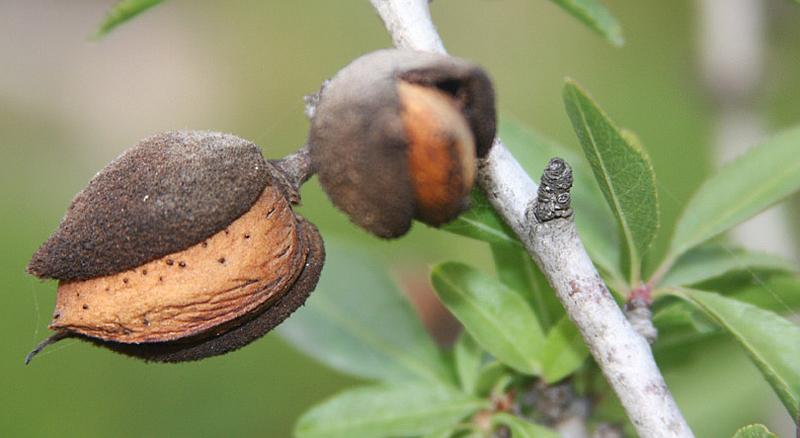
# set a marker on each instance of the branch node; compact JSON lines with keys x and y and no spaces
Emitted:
{"x":639,"y":314}
{"x":553,"y":199}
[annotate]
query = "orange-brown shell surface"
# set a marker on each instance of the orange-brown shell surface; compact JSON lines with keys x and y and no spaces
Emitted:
{"x":441,"y":153}
{"x":230,"y":274}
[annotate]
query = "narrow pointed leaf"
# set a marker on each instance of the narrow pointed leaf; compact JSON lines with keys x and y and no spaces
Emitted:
{"x":123,"y":11}
{"x":756,"y":180}
{"x":359,"y":323}
{"x":481,"y":222}
{"x":772,"y":342}
{"x":681,"y":322}
{"x":381,"y":411}
{"x":712,"y":261}
{"x":780,"y":294}
{"x":754,"y":431}
{"x":564,"y":351}
{"x":488,"y":377}
{"x":516,"y":269}
{"x":596,"y":16}
{"x":522,"y":428}
{"x":495,"y":316}
{"x":468,"y":356}
{"x":622,"y":170}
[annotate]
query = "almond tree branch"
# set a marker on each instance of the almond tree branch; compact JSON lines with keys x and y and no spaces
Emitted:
{"x":623,"y":355}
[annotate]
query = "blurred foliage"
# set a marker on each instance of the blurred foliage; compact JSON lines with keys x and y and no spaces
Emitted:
{"x":122,"y":12}
{"x":754,"y":431}
{"x":596,"y":16}
{"x":68,"y":107}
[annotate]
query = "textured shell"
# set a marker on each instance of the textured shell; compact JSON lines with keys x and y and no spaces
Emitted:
{"x":164,"y":195}
{"x":244,"y":330}
{"x":358,"y":141}
{"x":255,"y":259}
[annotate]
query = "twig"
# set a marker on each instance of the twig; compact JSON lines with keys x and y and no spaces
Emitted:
{"x":640,"y":315}
{"x":622,"y":354}
{"x":296,"y":167}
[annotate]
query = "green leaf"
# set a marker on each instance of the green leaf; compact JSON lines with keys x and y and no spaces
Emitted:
{"x":564,"y":351}
{"x":481,"y":222}
{"x":516,"y":269}
{"x":489,"y":376}
{"x":381,"y":411}
{"x":460,"y":430}
{"x":468,"y":357}
{"x":594,"y":15}
{"x":671,"y":343}
{"x":681,"y":323}
{"x":123,"y":11}
{"x":772,"y":342}
{"x":780,"y":294}
{"x":522,"y":428}
{"x":622,"y":170}
{"x":359,"y":323}
{"x":445,"y":432}
{"x":756,"y":180}
{"x":712,"y":261}
{"x":754,"y":431}
{"x":679,"y":313}
{"x":778,"y":291}
{"x":593,"y":218}
{"x":495,"y":316}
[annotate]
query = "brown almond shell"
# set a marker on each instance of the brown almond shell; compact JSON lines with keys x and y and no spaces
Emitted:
{"x":184,"y":247}
{"x":238,"y":270}
{"x":472,"y":90}
{"x":243,"y":330}
{"x":358,"y":142}
{"x":165,"y":194}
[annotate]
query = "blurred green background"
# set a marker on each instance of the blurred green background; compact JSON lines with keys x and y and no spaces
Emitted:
{"x":68,"y":105}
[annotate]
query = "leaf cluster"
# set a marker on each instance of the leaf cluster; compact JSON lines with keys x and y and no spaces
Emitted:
{"x":516,"y":331}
